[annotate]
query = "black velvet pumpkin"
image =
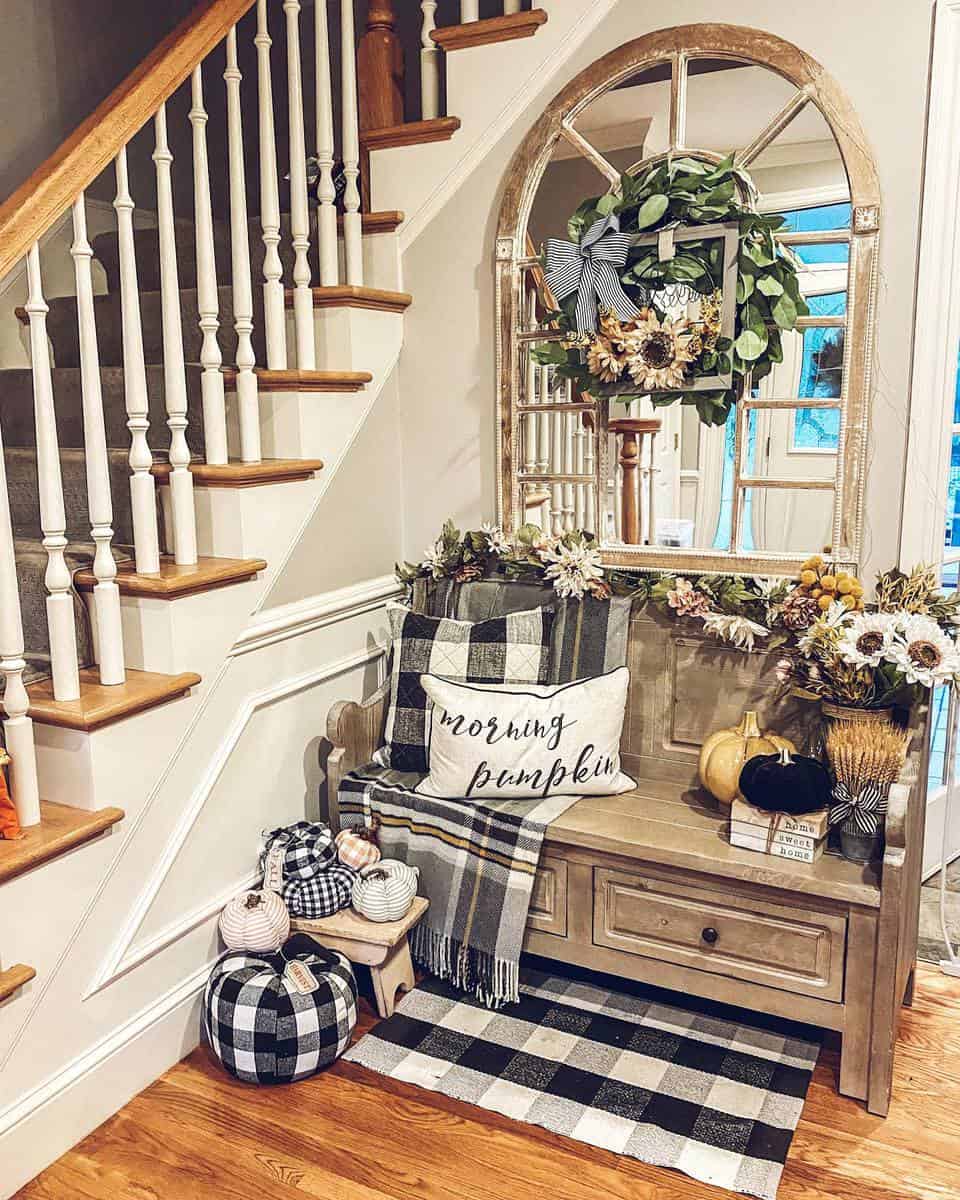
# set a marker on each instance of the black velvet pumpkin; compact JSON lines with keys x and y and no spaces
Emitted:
{"x":785,"y":782}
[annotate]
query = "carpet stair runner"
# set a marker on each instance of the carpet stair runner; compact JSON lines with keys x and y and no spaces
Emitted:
{"x":16,"y":397}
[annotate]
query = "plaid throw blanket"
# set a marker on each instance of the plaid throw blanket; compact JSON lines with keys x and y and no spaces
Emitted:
{"x":477,"y":863}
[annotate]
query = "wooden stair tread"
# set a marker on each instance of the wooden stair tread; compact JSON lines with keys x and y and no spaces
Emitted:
{"x":410,"y":133}
{"x":61,"y":829}
{"x":175,"y":581}
{"x":349,"y":296}
{"x":302,"y":381}
{"x":13,"y":979}
{"x":100,"y":705}
{"x":493,"y":29}
{"x":241,"y":474}
{"x":378,"y":222}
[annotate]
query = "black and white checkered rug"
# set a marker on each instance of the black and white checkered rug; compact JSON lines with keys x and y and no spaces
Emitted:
{"x":671,"y":1086}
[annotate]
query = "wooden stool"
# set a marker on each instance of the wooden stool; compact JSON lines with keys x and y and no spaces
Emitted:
{"x":380,"y":945}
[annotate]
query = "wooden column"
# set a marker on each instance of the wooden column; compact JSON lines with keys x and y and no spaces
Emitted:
{"x":380,"y":69}
{"x":631,"y":431}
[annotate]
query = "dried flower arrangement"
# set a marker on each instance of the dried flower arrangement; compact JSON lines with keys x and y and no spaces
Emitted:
{"x":836,"y":645}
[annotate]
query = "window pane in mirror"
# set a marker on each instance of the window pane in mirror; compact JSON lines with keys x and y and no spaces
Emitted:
{"x":952,"y":530}
{"x":788,"y":520}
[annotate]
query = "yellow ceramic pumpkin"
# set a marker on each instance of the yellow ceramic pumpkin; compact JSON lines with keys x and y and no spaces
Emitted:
{"x":723,"y":754}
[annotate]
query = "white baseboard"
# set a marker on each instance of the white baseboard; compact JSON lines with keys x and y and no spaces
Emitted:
{"x":53,"y":1118}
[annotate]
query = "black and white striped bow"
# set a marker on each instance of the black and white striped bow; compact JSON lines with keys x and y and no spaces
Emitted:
{"x":592,"y":270}
{"x":865,"y":809}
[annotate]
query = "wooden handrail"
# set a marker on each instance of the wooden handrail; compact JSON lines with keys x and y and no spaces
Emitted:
{"x":54,"y":186}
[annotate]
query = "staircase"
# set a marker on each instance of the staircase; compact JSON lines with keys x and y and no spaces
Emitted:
{"x":186,"y":408}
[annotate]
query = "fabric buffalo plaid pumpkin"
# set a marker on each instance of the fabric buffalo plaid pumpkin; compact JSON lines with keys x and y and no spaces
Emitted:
{"x":308,"y":848}
{"x":262,"y":1029}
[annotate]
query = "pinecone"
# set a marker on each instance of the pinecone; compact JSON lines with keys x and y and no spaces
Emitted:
{"x":798,"y":611}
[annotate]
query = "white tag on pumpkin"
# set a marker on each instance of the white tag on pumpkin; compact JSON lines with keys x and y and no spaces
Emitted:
{"x":273,"y":870}
{"x":666,"y":246}
{"x":300,"y":977}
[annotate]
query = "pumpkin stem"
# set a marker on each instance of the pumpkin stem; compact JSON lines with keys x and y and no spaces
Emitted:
{"x":785,"y":759}
{"x":749,"y":726}
{"x":253,"y":900}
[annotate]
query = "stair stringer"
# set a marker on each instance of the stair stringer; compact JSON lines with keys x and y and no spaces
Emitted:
{"x":488,"y":87}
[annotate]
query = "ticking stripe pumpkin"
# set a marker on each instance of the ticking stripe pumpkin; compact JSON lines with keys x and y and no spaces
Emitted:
{"x":255,"y":921}
{"x":385,"y":890}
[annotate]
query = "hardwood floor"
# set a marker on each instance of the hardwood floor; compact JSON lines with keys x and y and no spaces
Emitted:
{"x":351,"y":1135}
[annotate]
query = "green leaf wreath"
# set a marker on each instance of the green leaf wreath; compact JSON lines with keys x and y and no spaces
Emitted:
{"x":686,"y":192}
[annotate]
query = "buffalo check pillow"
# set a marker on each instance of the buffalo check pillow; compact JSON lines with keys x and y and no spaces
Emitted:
{"x":511,"y":649}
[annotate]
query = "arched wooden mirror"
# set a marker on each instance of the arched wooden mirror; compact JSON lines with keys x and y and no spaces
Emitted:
{"x":782,"y":478}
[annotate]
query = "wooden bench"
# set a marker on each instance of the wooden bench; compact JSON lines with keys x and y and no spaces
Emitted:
{"x":646,"y":885}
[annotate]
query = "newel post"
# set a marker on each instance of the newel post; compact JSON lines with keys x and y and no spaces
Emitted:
{"x":380,"y":69}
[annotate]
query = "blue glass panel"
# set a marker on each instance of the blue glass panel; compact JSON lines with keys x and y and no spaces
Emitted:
{"x":952,"y":528}
{"x":831,"y":304}
{"x":938,"y":737}
{"x":824,"y":216}
{"x":821,"y":375}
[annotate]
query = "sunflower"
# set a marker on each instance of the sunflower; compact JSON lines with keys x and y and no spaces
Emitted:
{"x":658,"y":353}
{"x":602,"y":360}
{"x":924,"y":653}
{"x":867,"y":640}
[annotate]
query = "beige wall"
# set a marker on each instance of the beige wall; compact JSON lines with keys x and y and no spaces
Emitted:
{"x":356,"y":532}
{"x":59,"y":59}
{"x":448,"y":370}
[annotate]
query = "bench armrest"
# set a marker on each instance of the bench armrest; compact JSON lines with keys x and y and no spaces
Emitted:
{"x":355,"y":731}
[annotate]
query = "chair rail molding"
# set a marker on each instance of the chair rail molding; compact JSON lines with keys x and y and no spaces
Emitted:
{"x":937,"y":320}
{"x":284,"y":621}
{"x":121,"y":959}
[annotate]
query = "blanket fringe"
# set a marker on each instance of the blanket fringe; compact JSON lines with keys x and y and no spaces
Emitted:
{"x":494,"y":981}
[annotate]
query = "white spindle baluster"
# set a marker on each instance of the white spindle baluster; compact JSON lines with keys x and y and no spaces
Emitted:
{"x":589,"y":468}
{"x":618,"y":501}
{"x":248,"y":406}
{"x":274,"y":319}
{"x":556,"y":462}
{"x":429,"y":63}
{"x":53,"y":521}
{"x":174,"y":371}
{"x":531,"y":421}
{"x":568,"y":460}
{"x":544,"y":435}
{"x":469,"y":10}
{"x":327,"y":247}
{"x":106,"y":594}
{"x":17,"y":726}
{"x":350,"y":139}
{"x":579,"y":497}
{"x":208,"y":298}
{"x":299,"y":205}
{"x":143,"y":487}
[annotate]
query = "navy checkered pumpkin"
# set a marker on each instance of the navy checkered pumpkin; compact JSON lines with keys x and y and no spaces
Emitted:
{"x":322,"y":895}
{"x":262,"y":1029}
{"x":308,"y":848}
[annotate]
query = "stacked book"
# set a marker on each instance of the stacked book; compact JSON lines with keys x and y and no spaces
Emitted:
{"x":779,"y":834}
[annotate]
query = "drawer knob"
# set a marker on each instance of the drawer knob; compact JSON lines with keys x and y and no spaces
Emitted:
{"x":710,"y":935}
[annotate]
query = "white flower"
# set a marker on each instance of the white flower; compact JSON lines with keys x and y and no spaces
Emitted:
{"x":826,"y":627}
{"x":433,"y":559}
{"x":924,"y":653}
{"x":572,"y":568}
{"x":497,"y":540}
{"x":867,"y":638}
{"x":739,"y":631}
{"x":784,"y":670}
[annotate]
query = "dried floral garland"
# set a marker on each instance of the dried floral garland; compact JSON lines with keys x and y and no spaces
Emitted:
{"x":637,"y":345}
{"x":835,"y":645}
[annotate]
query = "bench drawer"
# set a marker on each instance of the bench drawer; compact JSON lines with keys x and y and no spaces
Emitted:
{"x":794,"y":949}
{"x":548,"y":902}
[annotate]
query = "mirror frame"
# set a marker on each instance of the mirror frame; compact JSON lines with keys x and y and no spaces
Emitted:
{"x":676,"y":46}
